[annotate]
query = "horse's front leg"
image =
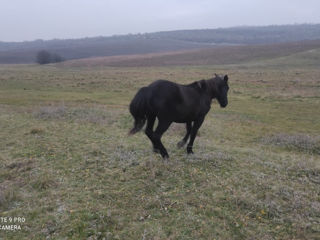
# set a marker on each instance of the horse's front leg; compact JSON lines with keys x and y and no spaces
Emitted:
{"x":185,"y":139}
{"x":196,"y":125}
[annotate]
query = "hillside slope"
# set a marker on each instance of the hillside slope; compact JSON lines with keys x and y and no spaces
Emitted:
{"x":214,"y":56}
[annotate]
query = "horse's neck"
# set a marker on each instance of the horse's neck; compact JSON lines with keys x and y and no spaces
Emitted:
{"x":211,"y":88}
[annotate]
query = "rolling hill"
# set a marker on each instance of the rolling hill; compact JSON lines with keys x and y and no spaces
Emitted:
{"x":212,"y":56}
{"x":158,"y":42}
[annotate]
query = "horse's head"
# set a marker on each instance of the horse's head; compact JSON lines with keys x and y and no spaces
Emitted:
{"x":219,"y":89}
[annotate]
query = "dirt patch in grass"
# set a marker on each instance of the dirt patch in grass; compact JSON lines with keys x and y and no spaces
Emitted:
{"x":8,"y":197}
{"x":43,"y":181}
{"x":20,"y":165}
{"x":36,"y":131}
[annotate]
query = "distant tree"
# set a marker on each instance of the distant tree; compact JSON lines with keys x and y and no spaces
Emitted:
{"x":55,"y":58}
{"x":45,"y":57}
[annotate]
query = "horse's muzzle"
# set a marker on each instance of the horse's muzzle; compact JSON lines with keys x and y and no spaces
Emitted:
{"x":223,"y":105}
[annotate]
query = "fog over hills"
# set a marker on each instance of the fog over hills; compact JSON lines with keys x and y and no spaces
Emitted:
{"x":25,"y":52}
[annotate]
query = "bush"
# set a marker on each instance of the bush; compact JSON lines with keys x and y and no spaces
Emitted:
{"x":45,"y":57}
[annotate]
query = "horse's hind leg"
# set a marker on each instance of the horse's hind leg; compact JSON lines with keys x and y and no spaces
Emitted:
{"x":149,"y":128}
{"x":185,"y":139}
{"x":161,"y":128}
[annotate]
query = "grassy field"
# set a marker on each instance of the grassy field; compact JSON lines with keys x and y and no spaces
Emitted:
{"x":68,"y":167}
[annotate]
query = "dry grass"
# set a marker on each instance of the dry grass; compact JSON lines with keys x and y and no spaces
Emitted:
{"x":8,"y":197}
{"x":90,"y":114}
{"x":300,"y":142}
{"x":69,"y":168}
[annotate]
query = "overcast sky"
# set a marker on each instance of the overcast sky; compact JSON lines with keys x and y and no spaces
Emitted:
{"x":47,"y":19}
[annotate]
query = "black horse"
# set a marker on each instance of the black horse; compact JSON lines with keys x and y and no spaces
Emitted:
{"x":172,"y":102}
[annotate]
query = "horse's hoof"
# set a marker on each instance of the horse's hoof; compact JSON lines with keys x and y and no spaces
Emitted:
{"x":166,"y":156}
{"x":181,"y":144}
{"x":155,"y":150}
{"x":189,"y":151}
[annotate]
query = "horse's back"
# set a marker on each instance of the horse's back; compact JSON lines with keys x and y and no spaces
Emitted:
{"x":163,"y":95}
{"x":165,"y":90}
{"x":163,"y":85}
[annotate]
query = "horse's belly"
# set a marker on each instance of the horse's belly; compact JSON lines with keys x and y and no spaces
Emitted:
{"x":189,"y":114}
{"x":181,"y":113}
{"x":185,"y":116}
{"x":182,"y":121}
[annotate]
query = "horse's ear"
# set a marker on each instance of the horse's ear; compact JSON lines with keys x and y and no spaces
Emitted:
{"x":226,"y":78}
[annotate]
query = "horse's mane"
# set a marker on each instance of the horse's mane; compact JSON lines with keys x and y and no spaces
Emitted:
{"x":199,"y":85}
{"x":194,"y":85}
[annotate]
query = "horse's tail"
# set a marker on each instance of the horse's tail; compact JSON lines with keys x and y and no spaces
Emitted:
{"x":138,"y":109}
